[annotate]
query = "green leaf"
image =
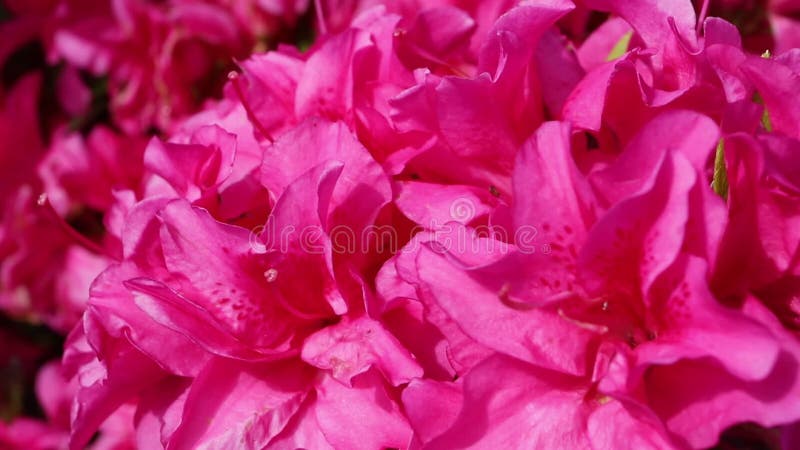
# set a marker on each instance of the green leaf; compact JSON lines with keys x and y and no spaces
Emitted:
{"x":766,"y":121}
{"x":620,"y":47}
{"x":720,"y":182}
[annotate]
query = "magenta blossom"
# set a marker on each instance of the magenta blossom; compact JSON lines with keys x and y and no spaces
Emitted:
{"x":243,"y":328}
{"x":613,"y":317}
{"x":457,"y":224}
{"x":55,"y":394}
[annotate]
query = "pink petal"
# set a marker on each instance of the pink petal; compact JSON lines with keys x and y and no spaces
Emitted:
{"x":433,"y":205}
{"x":777,"y":84}
{"x":112,"y":307}
{"x":511,"y":404}
{"x":371,"y":420}
{"x":234,"y":292}
{"x":718,"y":399}
{"x":297,"y":245}
{"x":695,"y":325}
{"x":477,"y":299}
{"x":351,"y":347}
{"x":699,"y":137}
{"x":432,"y":407}
{"x":231,"y":405}
{"x":363,"y":187}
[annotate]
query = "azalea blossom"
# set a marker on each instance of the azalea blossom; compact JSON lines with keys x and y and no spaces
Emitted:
{"x":555,"y":224}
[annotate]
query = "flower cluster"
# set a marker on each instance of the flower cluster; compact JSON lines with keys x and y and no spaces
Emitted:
{"x":549,"y":224}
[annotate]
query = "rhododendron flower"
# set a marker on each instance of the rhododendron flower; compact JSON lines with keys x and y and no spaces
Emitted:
{"x":160,"y":59}
{"x":556,"y":224}
{"x":53,"y":244}
{"x":763,"y":197}
{"x":83,"y":176}
{"x":55,"y":394}
{"x":28,"y":243}
{"x":764,"y":23}
{"x":152,"y":54}
{"x":246,"y":321}
{"x":620,"y":308}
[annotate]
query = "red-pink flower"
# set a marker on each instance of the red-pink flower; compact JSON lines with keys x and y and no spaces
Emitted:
{"x":607,"y":309}
{"x":278,"y":320}
{"x":597,"y":222}
{"x":55,"y":394}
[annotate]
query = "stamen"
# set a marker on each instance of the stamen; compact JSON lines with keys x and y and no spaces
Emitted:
{"x":401,"y":33}
{"x":703,"y":14}
{"x":323,"y":25}
{"x":505,"y":298}
{"x":513,"y":304}
{"x":234,"y":78}
{"x":71,"y":232}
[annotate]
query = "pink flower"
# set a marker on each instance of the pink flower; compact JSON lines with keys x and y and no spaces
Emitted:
{"x":598,"y":228}
{"x":775,"y":80}
{"x":278,"y":320}
{"x":160,"y":59}
{"x":54,"y":245}
{"x":33,"y":251}
{"x":83,"y":172}
{"x":614,"y":320}
{"x":32,"y":434}
{"x":55,"y":394}
{"x":479,"y":122}
{"x":764,"y":208}
{"x":765,"y":24}
{"x":374,"y":77}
